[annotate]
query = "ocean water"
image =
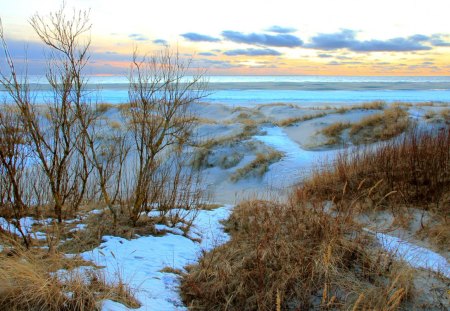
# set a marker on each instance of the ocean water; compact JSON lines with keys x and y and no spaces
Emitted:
{"x":302,"y":90}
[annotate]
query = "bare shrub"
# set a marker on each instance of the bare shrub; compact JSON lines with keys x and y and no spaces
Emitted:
{"x":58,"y":142}
{"x":160,"y":125}
{"x":14,"y":153}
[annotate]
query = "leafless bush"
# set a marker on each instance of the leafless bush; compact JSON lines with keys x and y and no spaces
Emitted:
{"x":57,"y":139}
{"x":161,"y":126}
{"x":14,"y":152}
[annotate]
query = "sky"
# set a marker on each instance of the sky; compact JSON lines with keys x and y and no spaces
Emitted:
{"x":265,"y":37}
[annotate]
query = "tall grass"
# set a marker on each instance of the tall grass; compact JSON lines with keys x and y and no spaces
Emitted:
{"x":258,"y":166}
{"x":413,"y":169}
{"x":382,"y":126}
{"x":290,"y":121}
{"x":296,"y":257}
{"x":29,"y":281}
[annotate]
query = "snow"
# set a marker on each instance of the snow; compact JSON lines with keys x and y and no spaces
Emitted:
{"x":139,"y":262}
{"x":296,"y":162}
{"x":26,"y":223}
{"x":416,"y":256}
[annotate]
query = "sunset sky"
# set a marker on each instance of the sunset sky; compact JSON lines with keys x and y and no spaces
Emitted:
{"x":282,"y":37}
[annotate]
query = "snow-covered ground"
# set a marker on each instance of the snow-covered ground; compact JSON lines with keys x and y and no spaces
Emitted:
{"x":416,"y":256}
{"x":296,"y":163}
{"x":139,"y":262}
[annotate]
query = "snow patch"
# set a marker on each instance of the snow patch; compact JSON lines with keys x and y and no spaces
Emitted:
{"x":139,"y":262}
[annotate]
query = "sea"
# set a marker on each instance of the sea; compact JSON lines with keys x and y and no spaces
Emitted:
{"x":301,"y":90}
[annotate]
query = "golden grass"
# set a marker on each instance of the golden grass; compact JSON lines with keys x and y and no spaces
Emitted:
{"x":28,"y":282}
{"x":101,"y":108}
{"x":334,"y":131}
{"x":258,"y":166}
{"x":413,"y":171}
{"x":294,"y":257}
{"x":375,"y":105}
{"x":290,"y":121}
{"x":383,"y":126}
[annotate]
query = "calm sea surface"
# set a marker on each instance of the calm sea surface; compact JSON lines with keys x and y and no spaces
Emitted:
{"x":303,"y":90}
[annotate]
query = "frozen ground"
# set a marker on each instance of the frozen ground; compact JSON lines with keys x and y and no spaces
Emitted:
{"x":139,"y":262}
{"x":416,"y":256}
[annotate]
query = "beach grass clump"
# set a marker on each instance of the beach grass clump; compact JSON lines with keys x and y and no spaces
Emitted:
{"x":382,"y":126}
{"x":230,"y":160}
{"x":445,"y":114}
{"x":32,"y":280}
{"x":413,"y":170}
{"x":258,"y":167}
{"x":334,"y":132}
{"x":291,"y":121}
{"x":294,"y":257}
{"x":374,"y":105}
{"x":102,"y":108}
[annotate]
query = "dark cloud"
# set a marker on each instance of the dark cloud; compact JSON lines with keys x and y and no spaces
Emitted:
{"x":206,"y":54}
{"x":196,"y":37}
{"x":279,"y":29}
{"x":391,"y":45}
{"x":252,"y":52}
{"x":137,"y":37}
{"x":280,"y":40}
{"x":160,"y":42}
{"x":332,"y":41}
{"x":218,"y":64}
{"x":438,"y":40}
{"x":32,"y":57}
{"x":324,"y":55}
{"x":345,"y":39}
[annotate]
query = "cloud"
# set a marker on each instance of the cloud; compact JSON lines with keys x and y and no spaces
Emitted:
{"x":323,"y":55}
{"x":206,"y":54}
{"x":252,"y":52}
{"x":196,"y":37}
{"x":438,"y":40}
{"x":279,"y":29}
{"x":219,"y":64}
{"x":160,"y":42}
{"x":137,"y":37}
{"x":279,"y":40}
{"x":345,"y":39}
{"x":391,"y":45}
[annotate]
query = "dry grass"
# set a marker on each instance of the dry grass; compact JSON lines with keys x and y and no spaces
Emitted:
{"x":416,"y":167}
{"x":290,"y":121}
{"x":446,"y":115}
{"x":334,"y":131}
{"x":101,"y":108}
{"x":258,"y":166}
{"x":383,"y":126}
{"x":204,"y":149}
{"x":375,"y":105}
{"x":29,"y":282}
{"x":296,"y":257}
{"x":413,"y":171}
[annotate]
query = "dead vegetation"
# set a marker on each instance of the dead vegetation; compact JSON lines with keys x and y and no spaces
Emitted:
{"x":311,"y":254}
{"x":297,"y":257}
{"x":334,"y":132}
{"x":375,"y":105}
{"x":31,"y":281}
{"x":291,"y":121}
{"x":258,"y":166}
{"x":412,"y":171}
{"x":383,"y":126}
